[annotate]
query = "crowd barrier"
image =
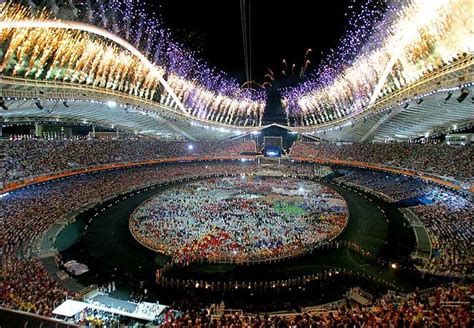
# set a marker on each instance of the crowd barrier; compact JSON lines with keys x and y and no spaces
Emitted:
{"x":163,"y":280}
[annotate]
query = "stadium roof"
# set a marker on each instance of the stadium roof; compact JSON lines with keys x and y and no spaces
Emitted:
{"x":428,"y":115}
{"x":114,"y":81}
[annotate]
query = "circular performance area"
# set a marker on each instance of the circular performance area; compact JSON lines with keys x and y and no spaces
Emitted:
{"x":239,"y":219}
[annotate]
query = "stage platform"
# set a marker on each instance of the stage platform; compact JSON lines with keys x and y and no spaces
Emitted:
{"x":141,"y":311}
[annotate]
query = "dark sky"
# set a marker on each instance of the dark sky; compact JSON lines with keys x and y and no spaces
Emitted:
{"x":280,"y":29}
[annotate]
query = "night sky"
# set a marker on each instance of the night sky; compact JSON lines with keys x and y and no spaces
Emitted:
{"x":279,"y":29}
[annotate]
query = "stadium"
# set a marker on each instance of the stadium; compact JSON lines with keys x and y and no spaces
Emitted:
{"x":143,"y":186}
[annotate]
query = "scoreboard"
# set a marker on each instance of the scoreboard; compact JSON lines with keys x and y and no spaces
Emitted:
{"x":272,"y":146}
{"x":272,"y":151}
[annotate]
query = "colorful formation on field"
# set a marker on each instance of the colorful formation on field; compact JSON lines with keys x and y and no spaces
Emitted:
{"x":239,"y":219}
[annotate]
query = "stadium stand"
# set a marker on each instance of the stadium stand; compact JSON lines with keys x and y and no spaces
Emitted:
{"x":442,"y":160}
{"x":440,"y":307}
{"x":27,"y":158}
{"x":447,"y":216}
{"x":29,"y":212}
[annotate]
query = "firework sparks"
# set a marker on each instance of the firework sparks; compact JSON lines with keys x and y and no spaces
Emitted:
{"x":405,"y":41}
{"x":41,"y":46}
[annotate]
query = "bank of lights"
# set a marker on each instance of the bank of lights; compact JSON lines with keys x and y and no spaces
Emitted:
{"x":111,"y":104}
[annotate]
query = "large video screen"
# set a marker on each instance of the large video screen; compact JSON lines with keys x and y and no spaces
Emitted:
{"x":272,"y":152}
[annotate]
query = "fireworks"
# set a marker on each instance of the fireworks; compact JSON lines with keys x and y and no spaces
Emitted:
{"x":138,"y":58}
{"x":387,"y":48}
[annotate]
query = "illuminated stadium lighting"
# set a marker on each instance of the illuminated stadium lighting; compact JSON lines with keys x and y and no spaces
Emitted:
{"x":111,"y":104}
{"x":3,"y":104}
{"x":394,"y":266}
{"x":464,"y":94}
{"x":190,"y":147}
{"x":38,"y":104}
{"x":450,"y":94}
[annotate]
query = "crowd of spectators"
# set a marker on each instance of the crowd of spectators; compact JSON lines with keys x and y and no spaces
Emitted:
{"x":442,"y":307}
{"x":27,"y":213}
{"x":27,"y":287}
{"x":449,"y":222}
{"x":27,"y":158}
{"x":446,"y":214}
{"x":394,"y":187}
{"x":239,"y":219}
{"x":443,"y":160}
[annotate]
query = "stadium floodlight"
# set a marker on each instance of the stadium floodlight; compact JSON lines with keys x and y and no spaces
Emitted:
{"x":3,"y":104}
{"x":450,"y":94}
{"x":38,"y":104}
{"x":190,"y":147}
{"x":111,"y":104}
{"x":464,"y":93}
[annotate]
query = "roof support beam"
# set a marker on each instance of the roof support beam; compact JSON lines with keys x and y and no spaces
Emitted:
{"x":174,"y":127}
{"x":382,"y":120}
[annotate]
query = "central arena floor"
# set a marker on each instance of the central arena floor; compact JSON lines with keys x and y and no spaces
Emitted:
{"x":101,"y":239}
{"x":239,"y":219}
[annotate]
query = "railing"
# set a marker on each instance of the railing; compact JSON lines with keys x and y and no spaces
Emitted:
{"x":454,"y":304}
{"x":27,"y":317}
{"x":324,"y":308}
{"x":415,"y":223}
{"x":354,"y":293}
